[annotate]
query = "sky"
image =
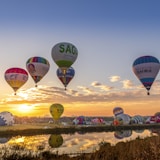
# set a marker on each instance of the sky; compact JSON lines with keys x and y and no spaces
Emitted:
{"x":109,"y":36}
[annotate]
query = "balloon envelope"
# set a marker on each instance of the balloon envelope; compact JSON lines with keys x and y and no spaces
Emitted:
{"x":137,"y":119}
{"x":37,"y":67}
{"x":65,"y":78}
{"x":146,"y":69}
{"x":117,"y":111}
{"x":55,"y":141}
{"x":64,"y":55}
{"x":56,"y":110}
{"x":16,"y":77}
{"x":6,"y":119}
{"x":122,"y":119}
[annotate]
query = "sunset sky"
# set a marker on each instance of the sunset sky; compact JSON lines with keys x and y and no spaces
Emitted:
{"x":109,"y":36}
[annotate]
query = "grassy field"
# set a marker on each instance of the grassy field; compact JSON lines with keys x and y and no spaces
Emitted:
{"x":46,"y":128}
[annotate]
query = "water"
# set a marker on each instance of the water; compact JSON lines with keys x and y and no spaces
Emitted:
{"x":69,"y":144}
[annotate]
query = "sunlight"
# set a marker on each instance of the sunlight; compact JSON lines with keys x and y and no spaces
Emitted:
{"x":25,"y":108}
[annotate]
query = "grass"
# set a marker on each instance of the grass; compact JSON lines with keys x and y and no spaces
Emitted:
{"x":46,"y":128}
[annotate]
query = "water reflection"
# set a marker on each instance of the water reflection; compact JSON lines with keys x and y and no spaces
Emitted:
{"x":55,"y":141}
{"x":70,"y":144}
{"x":122,"y":134}
{"x":4,"y":139}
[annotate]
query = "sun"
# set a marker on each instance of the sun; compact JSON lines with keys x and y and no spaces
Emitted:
{"x":25,"y":108}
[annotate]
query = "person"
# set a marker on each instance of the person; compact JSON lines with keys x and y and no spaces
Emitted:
{"x":31,"y":68}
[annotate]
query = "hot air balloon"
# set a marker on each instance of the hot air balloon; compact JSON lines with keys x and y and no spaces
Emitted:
{"x":37,"y":68}
{"x":16,"y":77}
{"x":146,"y":69}
{"x":55,"y":141}
{"x":6,"y":118}
{"x":64,"y":55}
{"x":117,"y":111}
{"x":65,"y":79}
{"x":122,"y":119}
{"x":137,"y":119}
{"x":56,"y":110}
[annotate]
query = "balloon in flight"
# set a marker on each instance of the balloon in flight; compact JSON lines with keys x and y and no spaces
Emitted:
{"x":16,"y":77}
{"x":55,"y":141}
{"x":65,"y":79}
{"x":146,"y":69}
{"x":37,"y":68}
{"x":64,"y":55}
{"x":56,"y":110}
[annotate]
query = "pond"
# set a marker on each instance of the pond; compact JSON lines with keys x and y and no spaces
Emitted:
{"x":68,"y":143}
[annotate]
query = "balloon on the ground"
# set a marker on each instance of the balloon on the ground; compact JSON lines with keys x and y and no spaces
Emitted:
{"x":64,"y":55}
{"x":137,"y":119}
{"x":97,"y":121}
{"x":16,"y":77}
{"x":146,"y":69}
{"x":56,"y":110}
{"x":65,"y":79}
{"x":79,"y":120}
{"x":55,"y":141}
{"x":118,"y":111}
{"x":6,"y":118}
{"x":37,"y":68}
{"x":121,"y":119}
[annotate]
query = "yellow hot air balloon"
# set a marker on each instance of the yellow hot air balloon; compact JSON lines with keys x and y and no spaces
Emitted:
{"x":55,"y":141}
{"x":56,"y":110}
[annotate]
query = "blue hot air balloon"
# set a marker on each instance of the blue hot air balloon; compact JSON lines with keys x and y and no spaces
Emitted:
{"x":146,"y":69}
{"x":65,"y":78}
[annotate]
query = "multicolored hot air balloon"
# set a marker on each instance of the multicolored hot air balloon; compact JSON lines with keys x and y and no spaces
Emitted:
{"x":55,"y":140}
{"x":56,"y":110}
{"x":118,"y":111}
{"x":146,"y":69}
{"x":16,"y":77}
{"x":65,"y":79}
{"x":37,"y":68}
{"x":64,"y":55}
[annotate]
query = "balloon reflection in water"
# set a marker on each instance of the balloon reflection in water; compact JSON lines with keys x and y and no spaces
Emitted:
{"x":55,"y":141}
{"x":4,"y":139}
{"x":122,"y":134}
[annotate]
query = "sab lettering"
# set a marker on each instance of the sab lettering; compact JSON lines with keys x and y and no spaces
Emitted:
{"x":68,"y":49}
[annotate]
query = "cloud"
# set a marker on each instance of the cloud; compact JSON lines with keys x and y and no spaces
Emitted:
{"x":101,"y":86}
{"x":95,"y":93}
{"x":114,"y":78}
{"x":127,"y":84}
